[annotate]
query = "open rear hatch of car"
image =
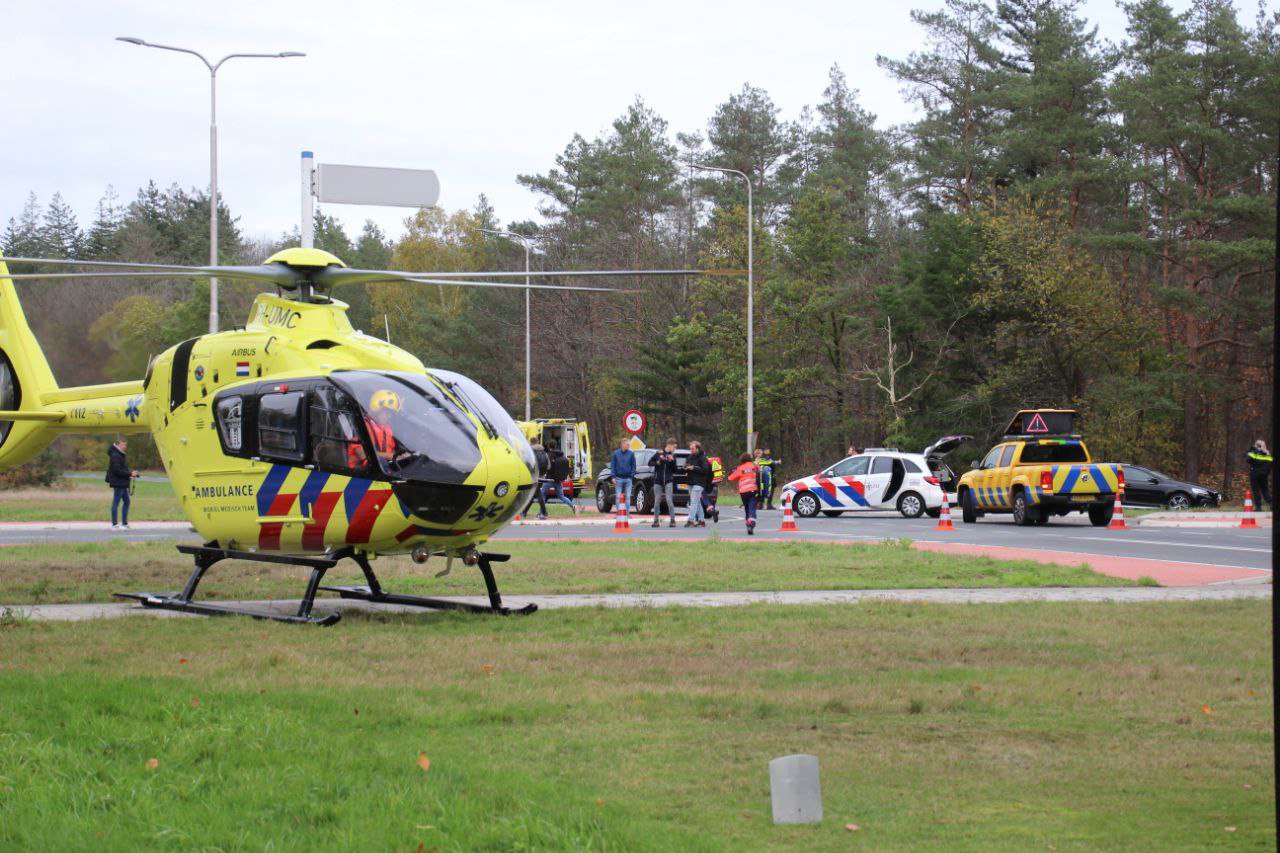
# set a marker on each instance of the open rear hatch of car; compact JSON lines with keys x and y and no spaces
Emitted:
{"x":945,"y":445}
{"x":933,"y":455}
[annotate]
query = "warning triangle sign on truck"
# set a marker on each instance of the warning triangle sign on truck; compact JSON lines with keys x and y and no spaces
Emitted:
{"x":1042,"y":422}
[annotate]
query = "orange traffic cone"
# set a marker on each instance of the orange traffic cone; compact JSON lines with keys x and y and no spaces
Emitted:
{"x":944,"y":517}
{"x":788,"y":520}
{"x":1248,"y":520}
{"x":1117,"y":515}
{"x":622,"y":522}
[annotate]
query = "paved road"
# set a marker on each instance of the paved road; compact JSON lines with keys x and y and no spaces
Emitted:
{"x":1217,"y":546}
{"x":80,"y":612}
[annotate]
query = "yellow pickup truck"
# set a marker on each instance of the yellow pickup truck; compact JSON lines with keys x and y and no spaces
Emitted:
{"x":1040,"y":470}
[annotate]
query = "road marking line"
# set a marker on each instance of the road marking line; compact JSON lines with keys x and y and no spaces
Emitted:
{"x":1174,"y":544}
{"x":1082,"y":554}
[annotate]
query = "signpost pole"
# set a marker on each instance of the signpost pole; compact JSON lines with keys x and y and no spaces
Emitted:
{"x":308,"y":229}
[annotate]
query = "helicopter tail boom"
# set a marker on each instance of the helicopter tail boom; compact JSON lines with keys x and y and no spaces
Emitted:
{"x":33,"y":409}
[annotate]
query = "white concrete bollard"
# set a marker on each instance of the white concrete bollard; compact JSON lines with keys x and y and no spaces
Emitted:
{"x":796,"y":791}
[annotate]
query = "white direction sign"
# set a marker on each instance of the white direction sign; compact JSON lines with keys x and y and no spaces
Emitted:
{"x":376,"y":185}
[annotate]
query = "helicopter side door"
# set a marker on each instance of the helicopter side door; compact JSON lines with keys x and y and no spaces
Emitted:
{"x":299,"y":424}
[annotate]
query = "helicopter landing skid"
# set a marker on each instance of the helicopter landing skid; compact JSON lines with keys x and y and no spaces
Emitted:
{"x":206,"y":556}
{"x":375,"y":594}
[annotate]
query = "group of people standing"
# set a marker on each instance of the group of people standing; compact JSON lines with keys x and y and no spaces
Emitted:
{"x":704,"y":474}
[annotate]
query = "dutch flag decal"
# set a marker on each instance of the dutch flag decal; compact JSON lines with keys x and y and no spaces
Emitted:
{"x":242,"y":368}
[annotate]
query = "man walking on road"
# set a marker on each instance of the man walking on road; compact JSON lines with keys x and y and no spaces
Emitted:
{"x":556,"y":475}
{"x":1259,"y":459}
{"x":120,"y":478}
{"x":699,"y":468}
{"x":664,"y":480}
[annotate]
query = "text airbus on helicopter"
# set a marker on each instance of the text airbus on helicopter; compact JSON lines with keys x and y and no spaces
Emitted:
{"x":296,"y":439}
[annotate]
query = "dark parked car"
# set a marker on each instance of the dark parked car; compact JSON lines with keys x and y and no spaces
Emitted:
{"x":1145,"y":487}
{"x":642,"y":491}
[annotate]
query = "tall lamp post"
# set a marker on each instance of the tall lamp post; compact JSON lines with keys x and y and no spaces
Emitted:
{"x":751,"y":334}
{"x":213,"y":148}
{"x":524,"y":241}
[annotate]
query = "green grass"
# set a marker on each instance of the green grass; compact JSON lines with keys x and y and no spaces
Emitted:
{"x":92,"y":571}
{"x":1023,"y":726}
{"x":74,"y":499}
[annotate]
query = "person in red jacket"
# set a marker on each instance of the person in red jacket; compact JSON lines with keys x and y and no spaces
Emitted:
{"x":747,"y":476}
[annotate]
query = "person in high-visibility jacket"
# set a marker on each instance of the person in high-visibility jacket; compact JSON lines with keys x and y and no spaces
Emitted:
{"x":1259,"y":459}
{"x":747,"y":476}
{"x":764,"y":458}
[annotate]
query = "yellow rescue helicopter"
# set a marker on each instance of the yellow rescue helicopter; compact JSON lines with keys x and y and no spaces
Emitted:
{"x":296,"y":439}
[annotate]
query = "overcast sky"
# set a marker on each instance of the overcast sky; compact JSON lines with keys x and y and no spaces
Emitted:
{"x":478,"y":92}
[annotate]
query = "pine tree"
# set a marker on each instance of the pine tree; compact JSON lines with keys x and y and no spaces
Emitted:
{"x":1198,"y":94}
{"x":745,"y":134}
{"x":952,"y":152}
{"x":22,"y":237}
{"x":59,"y":231}
{"x":1051,"y":87}
{"x":104,"y":237}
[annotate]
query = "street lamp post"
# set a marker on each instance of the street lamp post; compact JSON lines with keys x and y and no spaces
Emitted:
{"x":523,"y":240}
{"x":751,"y":335}
{"x":213,"y":148}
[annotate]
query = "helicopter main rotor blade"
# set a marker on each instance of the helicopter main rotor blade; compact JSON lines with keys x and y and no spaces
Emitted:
{"x":270,"y":273}
{"x":54,"y":276}
{"x":334,"y":276}
{"x":505,"y":284}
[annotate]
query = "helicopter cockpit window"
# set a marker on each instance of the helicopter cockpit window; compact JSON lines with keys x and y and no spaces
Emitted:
{"x":416,"y":432}
{"x":336,"y":444}
{"x":490,"y":413}
{"x":231,"y":423}
{"x":280,"y":426}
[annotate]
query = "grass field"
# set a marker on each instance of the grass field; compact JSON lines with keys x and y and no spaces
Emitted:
{"x":92,"y":571}
{"x":75,"y":499}
{"x":955,"y":726}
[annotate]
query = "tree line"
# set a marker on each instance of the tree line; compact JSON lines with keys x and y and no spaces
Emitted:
{"x":1068,"y":222}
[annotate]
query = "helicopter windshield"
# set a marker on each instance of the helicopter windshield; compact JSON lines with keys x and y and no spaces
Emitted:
{"x":417,"y":432}
{"x":491,"y":413}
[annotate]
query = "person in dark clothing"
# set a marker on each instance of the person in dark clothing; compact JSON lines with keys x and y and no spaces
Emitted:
{"x":120,"y":478}
{"x":544,"y":468}
{"x":1259,"y":459}
{"x":711,"y":494}
{"x":698,"y":467}
{"x":557,"y":473}
{"x":768,"y":475}
{"x":664,"y":478}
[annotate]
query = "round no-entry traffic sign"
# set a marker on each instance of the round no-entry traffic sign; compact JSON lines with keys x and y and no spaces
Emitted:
{"x":633,"y":421}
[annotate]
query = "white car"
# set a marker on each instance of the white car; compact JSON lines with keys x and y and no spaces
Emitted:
{"x":879,"y":479}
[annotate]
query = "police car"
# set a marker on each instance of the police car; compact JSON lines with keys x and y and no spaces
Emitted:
{"x":879,"y":479}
